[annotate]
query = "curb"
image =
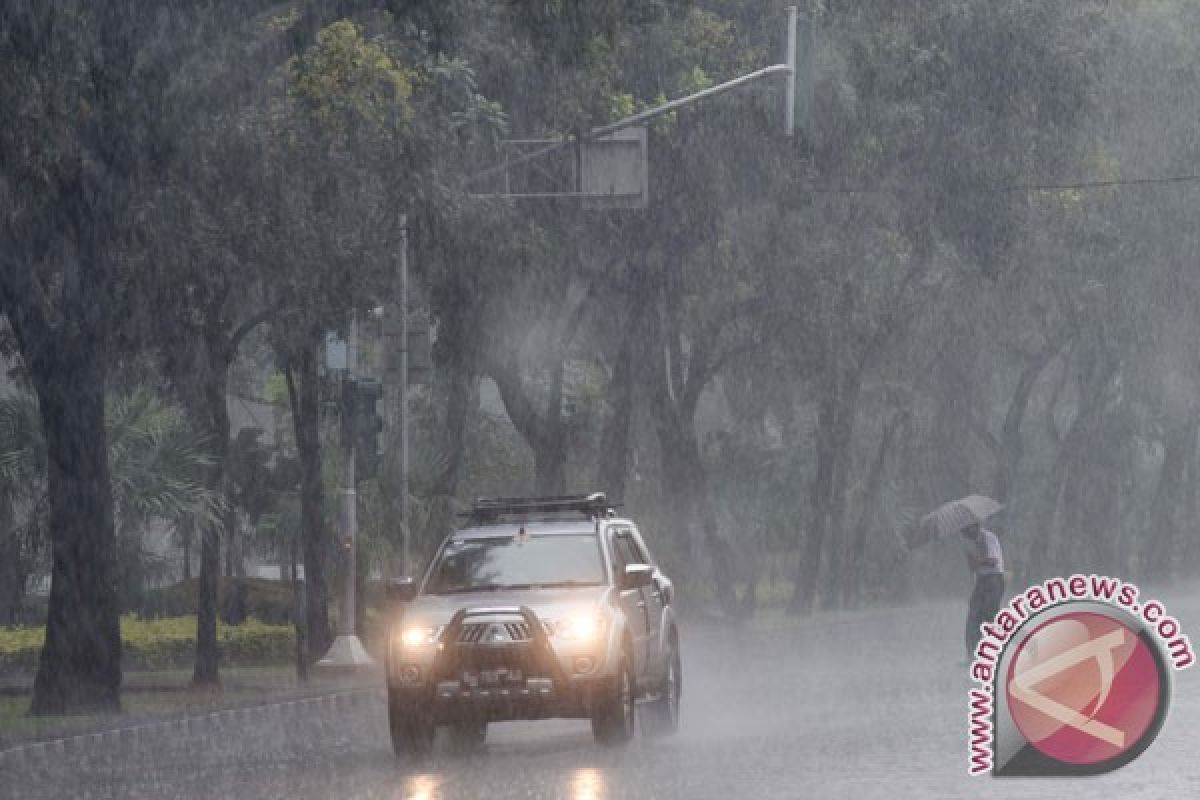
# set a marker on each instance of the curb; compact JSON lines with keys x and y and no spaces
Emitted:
{"x":129,"y":739}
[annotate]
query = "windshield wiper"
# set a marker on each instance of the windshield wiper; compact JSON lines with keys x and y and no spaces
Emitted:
{"x":499,"y":587}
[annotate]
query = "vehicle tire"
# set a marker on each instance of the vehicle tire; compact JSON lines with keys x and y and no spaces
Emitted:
{"x":662,"y":714}
{"x":613,"y":716}
{"x":468,"y":735}
{"x":411,"y":727}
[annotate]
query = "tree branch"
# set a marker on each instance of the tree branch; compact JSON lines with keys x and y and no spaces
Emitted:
{"x":243,"y":330}
{"x":525,"y":418}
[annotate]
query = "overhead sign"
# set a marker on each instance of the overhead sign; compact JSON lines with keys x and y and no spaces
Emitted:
{"x":612,"y":170}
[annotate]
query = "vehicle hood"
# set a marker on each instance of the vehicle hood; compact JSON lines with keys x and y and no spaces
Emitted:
{"x":548,"y":604}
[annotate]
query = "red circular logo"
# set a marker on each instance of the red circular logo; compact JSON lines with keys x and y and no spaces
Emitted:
{"x":1084,"y":688}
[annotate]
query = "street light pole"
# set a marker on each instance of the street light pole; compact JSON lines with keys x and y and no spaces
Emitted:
{"x":347,"y":651}
{"x":402,"y":398}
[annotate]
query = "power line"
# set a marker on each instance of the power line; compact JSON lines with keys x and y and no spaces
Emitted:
{"x":1102,"y":184}
{"x":1025,"y":187}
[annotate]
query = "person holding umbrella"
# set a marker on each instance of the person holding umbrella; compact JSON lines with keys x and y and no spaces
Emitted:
{"x":985,"y":559}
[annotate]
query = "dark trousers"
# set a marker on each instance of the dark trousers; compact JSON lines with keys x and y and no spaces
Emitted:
{"x":985,"y":602}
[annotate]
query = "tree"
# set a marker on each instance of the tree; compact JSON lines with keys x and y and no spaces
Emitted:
{"x":68,"y":175}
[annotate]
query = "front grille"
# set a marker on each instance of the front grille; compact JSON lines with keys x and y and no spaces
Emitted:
{"x":476,"y":632}
{"x":472,"y":633}
{"x":511,"y":657}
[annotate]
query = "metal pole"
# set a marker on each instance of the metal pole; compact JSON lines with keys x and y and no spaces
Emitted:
{"x":402,"y":484}
{"x":804,"y":74}
{"x":347,"y":651}
{"x":667,"y":108}
{"x":349,"y":492}
{"x":636,"y":119}
{"x":789,"y":100}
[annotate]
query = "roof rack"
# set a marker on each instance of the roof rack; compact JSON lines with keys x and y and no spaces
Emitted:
{"x":488,"y":509}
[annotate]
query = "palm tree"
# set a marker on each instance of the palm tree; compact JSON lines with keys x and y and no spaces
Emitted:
{"x":23,"y":506}
{"x":156,"y":464}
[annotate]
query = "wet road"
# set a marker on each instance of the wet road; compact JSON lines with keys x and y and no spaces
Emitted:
{"x":867,"y":705}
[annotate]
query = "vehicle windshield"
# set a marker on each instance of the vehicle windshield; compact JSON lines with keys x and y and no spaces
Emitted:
{"x":517,"y":562}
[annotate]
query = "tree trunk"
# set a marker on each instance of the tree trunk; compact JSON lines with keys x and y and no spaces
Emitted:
{"x":685,"y":481}
{"x":461,"y":403}
{"x":823,"y":552}
{"x":1191,"y":499}
{"x":205,"y":671}
{"x":614,"y":441}
{"x":80,"y":664}
{"x":804,"y":593}
{"x":1164,"y":543}
{"x":845,"y":416}
{"x":185,"y":536}
{"x":304,"y":397}
{"x":855,"y":573}
{"x":550,"y":467}
{"x":545,"y":433}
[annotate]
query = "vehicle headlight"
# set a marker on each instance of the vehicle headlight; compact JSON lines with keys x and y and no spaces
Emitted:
{"x":419,"y":636}
{"x":580,"y":627}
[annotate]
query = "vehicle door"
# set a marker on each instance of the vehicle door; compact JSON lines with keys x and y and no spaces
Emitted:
{"x":654,"y":599}
{"x":633,"y":601}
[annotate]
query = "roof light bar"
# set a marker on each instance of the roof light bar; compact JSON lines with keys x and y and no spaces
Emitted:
{"x":590,"y":505}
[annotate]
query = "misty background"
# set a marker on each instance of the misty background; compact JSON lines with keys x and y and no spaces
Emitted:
{"x":974,"y":269}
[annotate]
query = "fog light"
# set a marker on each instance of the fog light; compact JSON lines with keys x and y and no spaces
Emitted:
{"x":584,"y":664}
{"x":411,"y":673}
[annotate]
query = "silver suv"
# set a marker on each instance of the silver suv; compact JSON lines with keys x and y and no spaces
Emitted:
{"x":538,"y":608}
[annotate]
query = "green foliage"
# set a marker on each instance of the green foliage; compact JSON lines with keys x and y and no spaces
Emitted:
{"x":155,"y":458}
{"x":347,"y":79}
{"x":276,"y":390}
{"x":157,"y":463}
{"x":265,"y":600}
{"x":164,"y":643}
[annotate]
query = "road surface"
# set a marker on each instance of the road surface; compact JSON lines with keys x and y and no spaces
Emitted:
{"x":864,"y":705}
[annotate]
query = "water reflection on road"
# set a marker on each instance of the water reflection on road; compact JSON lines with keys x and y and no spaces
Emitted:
{"x":584,"y":783}
{"x":422,"y":787}
{"x":587,"y":784}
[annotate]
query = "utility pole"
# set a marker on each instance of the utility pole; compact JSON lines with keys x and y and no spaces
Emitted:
{"x":402,"y":392}
{"x":347,"y":651}
{"x":397,"y":365}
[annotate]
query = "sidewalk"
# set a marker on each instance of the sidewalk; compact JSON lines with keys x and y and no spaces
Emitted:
{"x":149,"y":697}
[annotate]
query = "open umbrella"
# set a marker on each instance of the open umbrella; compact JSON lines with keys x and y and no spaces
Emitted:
{"x":952,"y":517}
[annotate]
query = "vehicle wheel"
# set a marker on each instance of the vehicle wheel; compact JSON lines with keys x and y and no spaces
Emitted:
{"x":613,"y":716}
{"x":468,"y":735}
{"x":411,"y":727}
{"x":662,"y":714}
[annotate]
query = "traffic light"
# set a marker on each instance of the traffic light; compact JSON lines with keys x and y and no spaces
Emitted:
{"x":368,"y":429}
{"x":362,"y":423}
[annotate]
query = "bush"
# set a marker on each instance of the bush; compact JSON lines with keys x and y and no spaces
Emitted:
{"x":164,"y":643}
{"x":265,"y":600}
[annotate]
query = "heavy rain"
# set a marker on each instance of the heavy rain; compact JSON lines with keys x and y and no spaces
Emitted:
{"x":599,"y":398}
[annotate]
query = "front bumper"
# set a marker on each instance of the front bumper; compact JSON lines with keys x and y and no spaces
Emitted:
{"x":472,"y":677}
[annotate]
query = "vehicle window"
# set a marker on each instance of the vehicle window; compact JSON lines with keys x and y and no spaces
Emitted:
{"x":618,"y":556}
{"x":627,"y":551}
{"x":640,"y":548}
{"x":508,"y":562}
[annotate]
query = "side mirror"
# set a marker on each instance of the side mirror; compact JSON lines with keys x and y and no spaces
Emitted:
{"x":637,"y":575}
{"x":401,"y":590}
